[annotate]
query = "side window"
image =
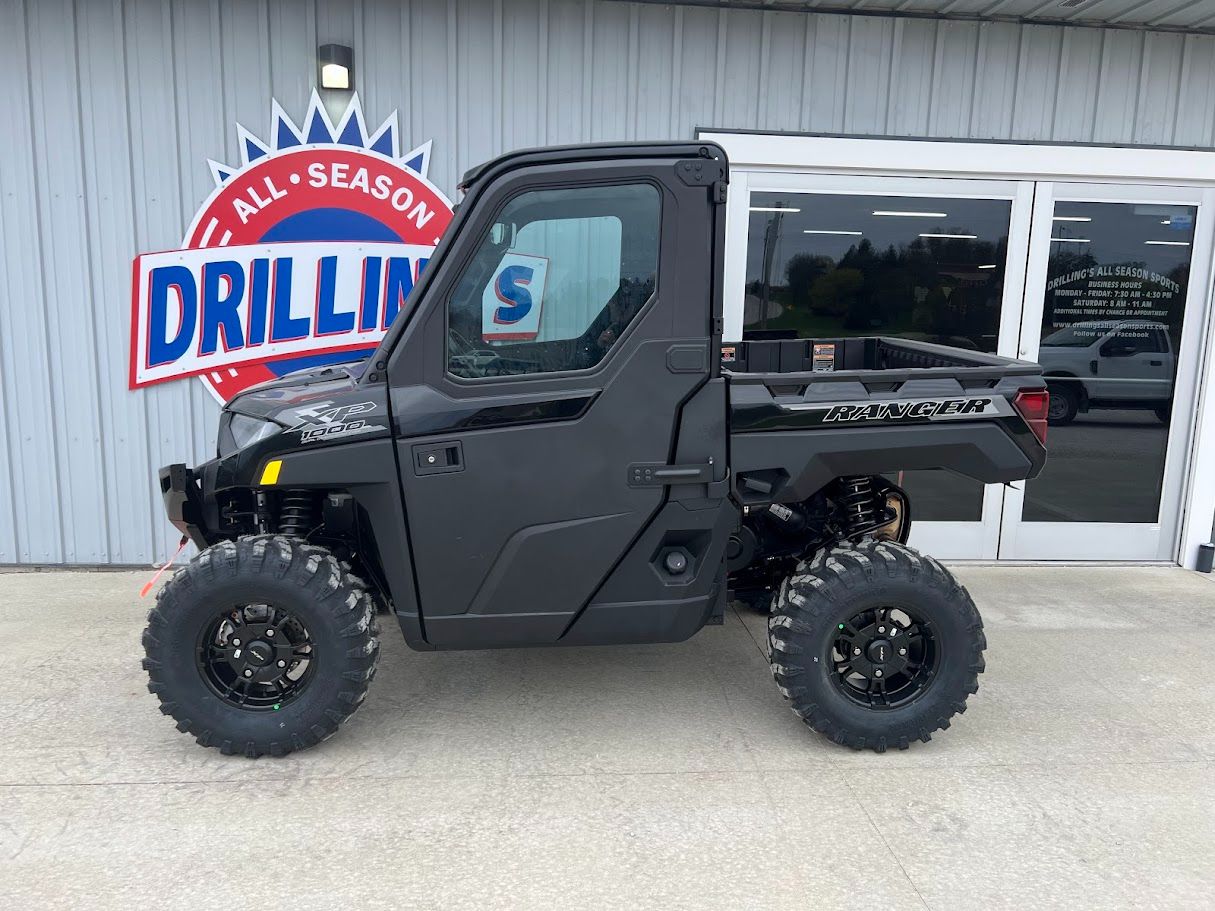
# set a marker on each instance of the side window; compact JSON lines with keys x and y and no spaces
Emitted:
{"x":1134,"y":339}
{"x":555,"y":281}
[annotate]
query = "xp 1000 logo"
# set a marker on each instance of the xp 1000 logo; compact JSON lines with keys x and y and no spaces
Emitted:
{"x":302,"y":254}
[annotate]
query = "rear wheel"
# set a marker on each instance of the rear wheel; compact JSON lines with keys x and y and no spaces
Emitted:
{"x":263,"y":645}
{"x":875,"y":645}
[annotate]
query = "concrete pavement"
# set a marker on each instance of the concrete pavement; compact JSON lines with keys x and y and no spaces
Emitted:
{"x":649,"y":777}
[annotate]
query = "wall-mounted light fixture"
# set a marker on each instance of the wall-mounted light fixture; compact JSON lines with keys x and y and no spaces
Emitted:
{"x":335,"y":66}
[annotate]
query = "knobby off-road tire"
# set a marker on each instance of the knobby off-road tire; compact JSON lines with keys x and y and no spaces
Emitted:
{"x":253,"y":574}
{"x":817,"y":605}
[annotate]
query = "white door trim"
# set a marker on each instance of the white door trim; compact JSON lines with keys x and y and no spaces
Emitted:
{"x":930,"y":158}
{"x":754,"y":153}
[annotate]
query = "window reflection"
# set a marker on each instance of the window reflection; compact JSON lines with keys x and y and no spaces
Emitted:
{"x":835,"y":265}
{"x":1111,"y":324}
{"x":831,"y":265}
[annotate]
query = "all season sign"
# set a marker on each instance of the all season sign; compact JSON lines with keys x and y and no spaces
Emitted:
{"x":302,"y":254}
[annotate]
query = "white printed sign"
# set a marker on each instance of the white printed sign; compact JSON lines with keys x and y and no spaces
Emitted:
{"x":206,"y":310}
{"x":511,"y":302}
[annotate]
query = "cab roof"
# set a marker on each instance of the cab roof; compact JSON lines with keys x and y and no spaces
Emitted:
{"x":590,"y":152}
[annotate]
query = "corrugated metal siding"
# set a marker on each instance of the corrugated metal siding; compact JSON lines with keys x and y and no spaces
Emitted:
{"x":1178,"y":14}
{"x":118,"y":105}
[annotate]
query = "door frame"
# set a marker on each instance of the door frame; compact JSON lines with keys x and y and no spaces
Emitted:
{"x":756,"y":153}
{"x":1020,"y":539}
{"x":1115,"y":541}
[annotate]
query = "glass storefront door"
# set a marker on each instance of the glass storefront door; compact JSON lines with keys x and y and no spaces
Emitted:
{"x":1112,"y":313}
{"x":1103,"y":285}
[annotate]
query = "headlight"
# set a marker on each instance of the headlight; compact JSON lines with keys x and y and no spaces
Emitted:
{"x":246,"y":430}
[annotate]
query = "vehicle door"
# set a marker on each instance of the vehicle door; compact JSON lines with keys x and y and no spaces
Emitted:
{"x":540,"y":391}
{"x":1133,"y":363}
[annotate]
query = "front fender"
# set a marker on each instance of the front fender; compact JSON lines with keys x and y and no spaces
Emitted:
{"x":366,"y":470}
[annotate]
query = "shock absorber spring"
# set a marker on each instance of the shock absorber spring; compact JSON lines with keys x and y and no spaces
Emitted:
{"x":858,"y":503}
{"x":295,"y":514}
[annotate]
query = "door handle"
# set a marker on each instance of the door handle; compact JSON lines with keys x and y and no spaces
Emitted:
{"x":1155,"y":363}
{"x":438,"y":458}
{"x":1092,"y":366}
{"x":660,"y":474}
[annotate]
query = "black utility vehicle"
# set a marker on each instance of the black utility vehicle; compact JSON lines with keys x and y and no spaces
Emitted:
{"x":604,"y":471}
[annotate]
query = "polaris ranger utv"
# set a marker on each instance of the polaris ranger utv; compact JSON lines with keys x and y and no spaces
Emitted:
{"x":551,"y":446}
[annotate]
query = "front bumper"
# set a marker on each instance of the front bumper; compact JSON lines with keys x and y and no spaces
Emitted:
{"x":184,"y":502}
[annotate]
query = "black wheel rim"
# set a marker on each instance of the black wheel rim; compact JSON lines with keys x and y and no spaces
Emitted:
{"x":256,"y":657}
{"x":884,"y":657}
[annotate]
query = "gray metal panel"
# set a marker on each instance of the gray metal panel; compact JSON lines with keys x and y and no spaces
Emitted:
{"x":1180,"y":14}
{"x":912,"y":91}
{"x":997,"y":66}
{"x":30,"y":431}
{"x":1196,"y":98}
{"x":110,"y":205}
{"x":117,"y":106}
{"x":1157,"y":109}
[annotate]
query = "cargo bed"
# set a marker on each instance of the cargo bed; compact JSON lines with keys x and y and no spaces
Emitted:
{"x":845,"y":359}
{"x":846,"y":406}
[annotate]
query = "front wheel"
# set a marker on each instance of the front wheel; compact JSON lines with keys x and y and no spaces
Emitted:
{"x":875,"y":645}
{"x":263,"y":645}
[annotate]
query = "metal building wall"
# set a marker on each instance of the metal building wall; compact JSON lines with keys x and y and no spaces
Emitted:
{"x":117,"y":105}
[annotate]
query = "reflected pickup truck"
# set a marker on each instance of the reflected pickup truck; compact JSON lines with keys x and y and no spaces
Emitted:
{"x":1122,"y":364}
{"x":552,"y":446}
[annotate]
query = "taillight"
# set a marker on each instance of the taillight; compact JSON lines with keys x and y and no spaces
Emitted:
{"x":1033,"y":405}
